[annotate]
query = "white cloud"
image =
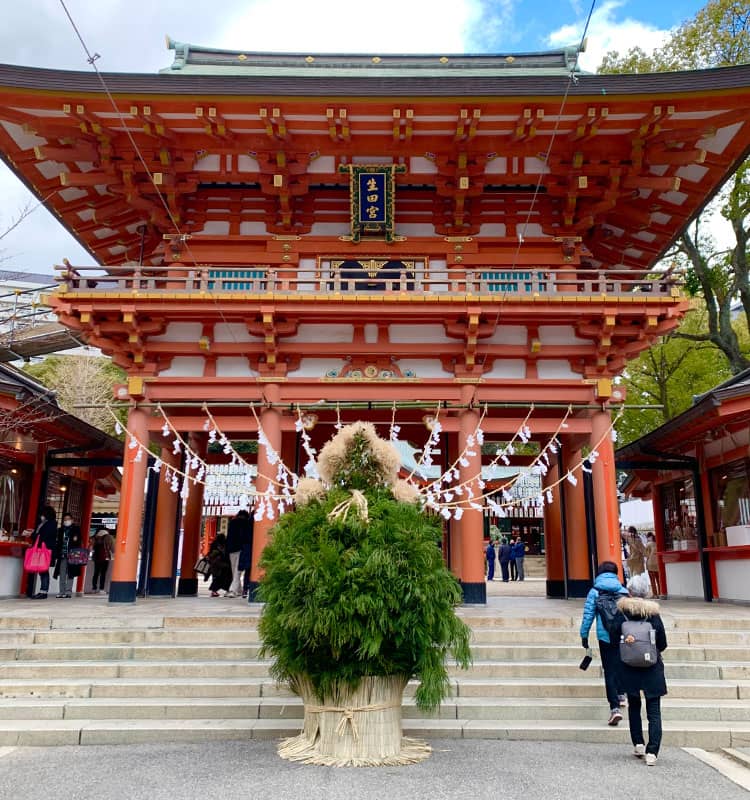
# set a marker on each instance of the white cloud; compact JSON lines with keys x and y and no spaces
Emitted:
{"x":332,"y":26}
{"x":39,"y":241}
{"x":606,"y":32}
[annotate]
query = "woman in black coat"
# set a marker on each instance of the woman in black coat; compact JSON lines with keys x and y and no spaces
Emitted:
{"x":221,"y":567}
{"x":46,"y":532}
{"x":649,"y":680}
{"x":68,"y":537}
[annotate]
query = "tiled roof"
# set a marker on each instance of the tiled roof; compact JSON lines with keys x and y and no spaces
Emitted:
{"x":457,"y":83}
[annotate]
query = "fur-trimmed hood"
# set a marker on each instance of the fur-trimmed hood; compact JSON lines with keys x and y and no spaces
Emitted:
{"x":638,"y":607}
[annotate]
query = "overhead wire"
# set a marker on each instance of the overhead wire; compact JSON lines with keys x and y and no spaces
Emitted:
{"x":572,"y":80}
{"x":183,"y":237}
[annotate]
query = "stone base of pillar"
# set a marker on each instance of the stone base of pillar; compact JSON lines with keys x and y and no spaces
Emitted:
{"x":122,"y":591}
{"x":187,"y":587}
{"x":252,"y":592}
{"x":474,"y":593}
{"x":161,"y":587}
{"x":576,"y":588}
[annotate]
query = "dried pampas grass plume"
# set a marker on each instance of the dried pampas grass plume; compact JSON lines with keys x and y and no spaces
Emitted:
{"x":335,"y":458}
{"x":309,"y":489}
{"x":405,"y":492}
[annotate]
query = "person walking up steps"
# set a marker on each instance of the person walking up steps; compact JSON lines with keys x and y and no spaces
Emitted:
{"x":490,"y":554}
{"x":504,"y":557}
{"x":238,"y":536}
{"x":46,"y":533}
{"x":601,"y":604}
{"x":636,"y":674}
{"x":102,"y":552}
{"x":519,"y":553}
{"x":68,"y":538}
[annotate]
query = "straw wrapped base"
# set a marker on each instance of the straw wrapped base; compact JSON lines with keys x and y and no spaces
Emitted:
{"x":360,"y":728}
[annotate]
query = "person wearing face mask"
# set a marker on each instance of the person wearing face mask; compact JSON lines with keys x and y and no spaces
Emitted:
{"x":68,"y":537}
{"x":46,"y":533}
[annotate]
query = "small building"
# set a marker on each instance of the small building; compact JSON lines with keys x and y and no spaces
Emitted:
{"x":696,"y":471}
{"x":47,"y":457}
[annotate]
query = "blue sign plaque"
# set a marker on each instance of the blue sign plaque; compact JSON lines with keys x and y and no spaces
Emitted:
{"x":372,"y":197}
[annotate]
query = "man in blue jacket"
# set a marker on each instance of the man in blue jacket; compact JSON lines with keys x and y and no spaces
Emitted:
{"x":504,"y":556}
{"x":490,"y":554}
{"x":607,"y":584}
{"x":518,"y":555}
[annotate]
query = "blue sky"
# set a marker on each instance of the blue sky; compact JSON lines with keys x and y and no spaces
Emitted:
{"x":129,"y":36}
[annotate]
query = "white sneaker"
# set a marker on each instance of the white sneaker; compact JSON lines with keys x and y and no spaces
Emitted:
{"x":639,"y":750}
{"x":650,"y":759}
{"x":230,"y":594}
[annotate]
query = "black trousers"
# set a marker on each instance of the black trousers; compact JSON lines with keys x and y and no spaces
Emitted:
{"x":513,"y":569}
{"x":610,"y":655}
{"x":100,"y":574}
{"x":31,"y":583}
{"x":504,"y":570}
{"x":653,"y":715}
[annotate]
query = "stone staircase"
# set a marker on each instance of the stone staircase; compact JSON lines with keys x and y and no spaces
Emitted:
{"x":111,"y":677}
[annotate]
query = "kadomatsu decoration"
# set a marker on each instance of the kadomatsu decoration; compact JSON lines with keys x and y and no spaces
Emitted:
{"x":358,"y":601}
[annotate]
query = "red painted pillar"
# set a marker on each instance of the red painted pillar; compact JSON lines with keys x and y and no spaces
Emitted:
{"x":659,"y":533}
{"x":454,"y":526}
{"x":130,"y":515}
{"x":606,"y":509}
{"x":710,"y":532}
{"x":86,"y":510}
{"x":553,"y":548}
{"x":578,"y":556}
{"x":472,"y":522}
{"x":34,"y":508}
{"x":162,"y":578}
{"x":270,"y":420}
{"x":191,"y":524}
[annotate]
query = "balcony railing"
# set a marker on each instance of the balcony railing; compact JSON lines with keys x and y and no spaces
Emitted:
{"x":261,"y":279}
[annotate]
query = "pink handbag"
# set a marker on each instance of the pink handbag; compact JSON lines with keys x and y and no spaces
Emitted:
{"x":37,"y":558}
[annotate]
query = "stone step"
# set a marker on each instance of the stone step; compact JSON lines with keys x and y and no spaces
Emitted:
{"x":546,"y":689}
{"x":217,"y":652}
{"x":714,"y":622}
{"x":291,"y":708}
{"x":743,"y":759}
{"x":237,"y":652}
{"x":699,"y":670}
{"x":143,"y":637}
{"x":204,"y":669}
{"x":593,"y":686}
{"x":129,"y":731}
{"x":177,"y":636}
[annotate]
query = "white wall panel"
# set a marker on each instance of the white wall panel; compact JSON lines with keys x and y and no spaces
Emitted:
{"x":684,"y":579}
{"x":423,"y":367}
{"x":316,"y":367}
{"x":185,"y":367}
{"x":507,"y":368}
{"x":233,"y":367}
{"x":233,"y":332}
{"x":322,"y":333}
{"x":733,"y":578}
{"x":180,"y":332}
{"x":559,"y":334}
{"x":425,"y":334}
{"x":551,"y":369}
{"x":508,"y":334}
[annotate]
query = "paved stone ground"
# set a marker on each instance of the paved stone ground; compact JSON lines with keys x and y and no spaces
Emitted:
{"x":457,"y":770}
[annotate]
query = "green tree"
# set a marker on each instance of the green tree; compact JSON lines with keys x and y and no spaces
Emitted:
{"x":717,"y":36}
{"x":669,"y":375}
{"x":83,"y":385}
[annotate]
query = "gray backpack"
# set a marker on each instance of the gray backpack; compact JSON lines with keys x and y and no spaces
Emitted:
{"x":638,"y":643}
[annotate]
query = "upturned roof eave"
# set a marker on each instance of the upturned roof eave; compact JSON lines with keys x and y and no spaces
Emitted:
{"x":449,"y":85}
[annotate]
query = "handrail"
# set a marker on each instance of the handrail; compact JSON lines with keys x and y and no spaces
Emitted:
{"x":262,"y":278}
